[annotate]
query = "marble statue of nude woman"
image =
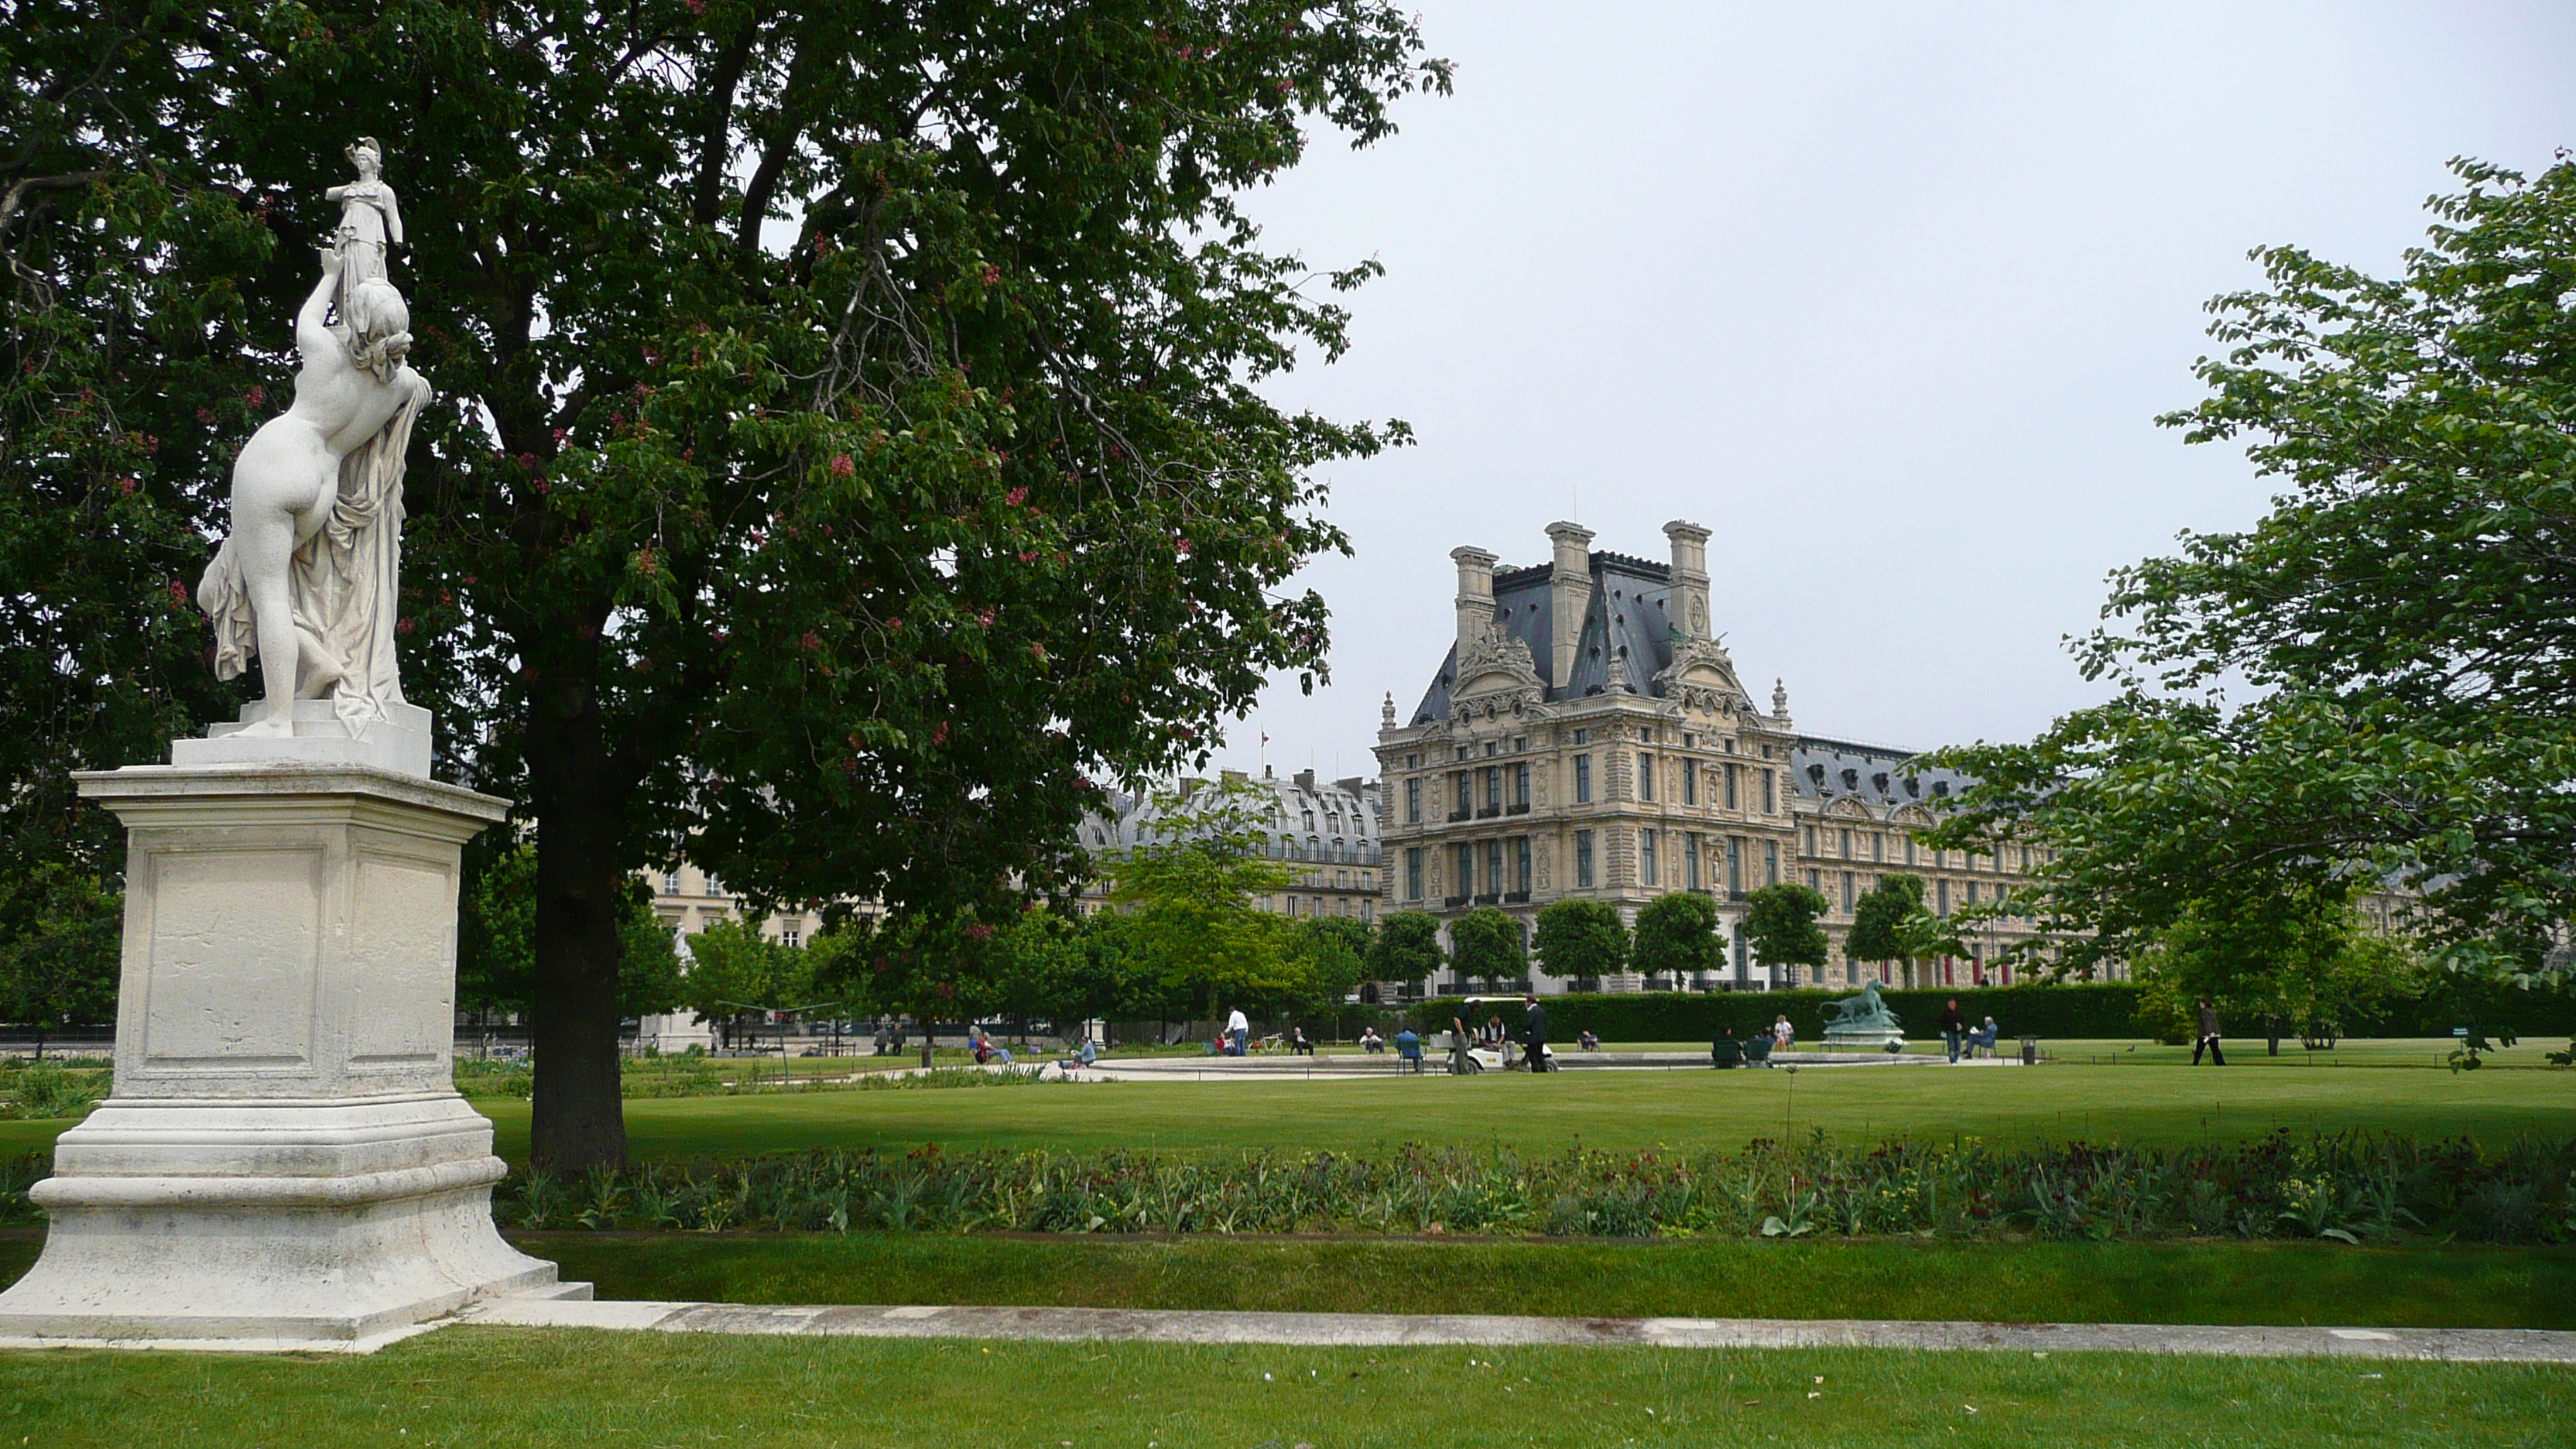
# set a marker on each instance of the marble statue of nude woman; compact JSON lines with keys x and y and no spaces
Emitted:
{"x":306,"y":579}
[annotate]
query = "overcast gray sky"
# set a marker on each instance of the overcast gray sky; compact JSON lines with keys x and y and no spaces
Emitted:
{"x":1887,"y":296}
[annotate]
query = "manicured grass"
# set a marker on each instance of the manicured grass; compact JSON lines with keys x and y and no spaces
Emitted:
{"x":1612,"y":1110}
{"x":569,"y":1389}
{"x":2271,"y":1283}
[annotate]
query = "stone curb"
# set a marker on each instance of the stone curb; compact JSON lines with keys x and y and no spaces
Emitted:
{"x":1388,"y":1330}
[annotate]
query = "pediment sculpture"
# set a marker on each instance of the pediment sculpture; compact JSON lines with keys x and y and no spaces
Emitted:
{"x":1496,"y":661}
{"x":1702,"y":676}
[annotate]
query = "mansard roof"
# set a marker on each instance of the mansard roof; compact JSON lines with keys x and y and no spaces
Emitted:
{"x":1629,"y":609}
{"x":1882,"y":777}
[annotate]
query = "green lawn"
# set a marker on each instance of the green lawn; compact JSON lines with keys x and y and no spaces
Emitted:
{"x":570,"y":1389}
{"x":2263,"y":1283}
{"x":1614,"y":1110}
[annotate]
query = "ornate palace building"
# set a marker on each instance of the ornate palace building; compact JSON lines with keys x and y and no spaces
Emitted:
{"x":1588,"y":736}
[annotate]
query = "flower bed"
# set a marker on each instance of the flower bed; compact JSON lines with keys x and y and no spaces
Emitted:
{"x":2351,"y":1187}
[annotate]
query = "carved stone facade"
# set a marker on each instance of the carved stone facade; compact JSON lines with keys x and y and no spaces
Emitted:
{"x":1588,"y":736}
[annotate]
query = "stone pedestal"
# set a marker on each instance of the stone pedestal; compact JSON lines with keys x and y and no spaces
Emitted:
{"x":1863,"y":1038}
{"x":285,"y":1163}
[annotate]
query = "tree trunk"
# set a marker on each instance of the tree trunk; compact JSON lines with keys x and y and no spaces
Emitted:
{"x":578,"y":1115}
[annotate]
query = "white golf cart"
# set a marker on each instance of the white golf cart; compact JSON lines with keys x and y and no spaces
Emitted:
{"x":1477,"y":1057}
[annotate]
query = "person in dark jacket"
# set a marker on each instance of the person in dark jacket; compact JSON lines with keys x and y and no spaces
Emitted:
{"x":1954,"y":1029}
{"x":1534,"y":1027}
{"x":2208,"y":1037}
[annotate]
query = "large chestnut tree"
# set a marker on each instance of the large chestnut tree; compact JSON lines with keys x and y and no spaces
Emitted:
{"x":850,"y":444}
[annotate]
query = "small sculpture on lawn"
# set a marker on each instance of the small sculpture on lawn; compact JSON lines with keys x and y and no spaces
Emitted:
{"x":1865,"y":1012}
{"x":306,"y":580}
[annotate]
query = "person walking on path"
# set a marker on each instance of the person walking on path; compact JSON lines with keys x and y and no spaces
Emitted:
{"x":2208,"y":1038}
{"x":1954,"y":1029}
{"x":1238,"y":1031}
{"x":1534,"y":1029}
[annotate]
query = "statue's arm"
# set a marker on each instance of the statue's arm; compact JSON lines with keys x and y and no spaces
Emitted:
{"x":393,"y":215}
{"x":313,"y":337}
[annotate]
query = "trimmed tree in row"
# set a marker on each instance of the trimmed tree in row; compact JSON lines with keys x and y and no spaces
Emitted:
{"x":1580,"y":940}
{"x":1891,"y":923}
{"x":1780,"y":925}
{"x":1677,"y":937}
{"x":1406,"y":948}
{"x":1488,"y":943}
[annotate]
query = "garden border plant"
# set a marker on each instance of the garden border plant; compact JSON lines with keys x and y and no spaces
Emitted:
{"x":2353,"y":1187}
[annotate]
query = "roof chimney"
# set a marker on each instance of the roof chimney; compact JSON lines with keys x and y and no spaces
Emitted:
{"x":1690,"y":577}
{"x":1569,"y":594}
{"x":1475,"y":595}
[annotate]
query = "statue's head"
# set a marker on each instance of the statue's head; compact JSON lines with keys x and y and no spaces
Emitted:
{"x":368,"y":157}
{"x":379,"y":328}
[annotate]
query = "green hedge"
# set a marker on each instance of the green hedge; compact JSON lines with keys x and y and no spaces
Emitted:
{"x":2090,"y":1010}
{"x":2495,"y":1005}
{"x":2097,"y":1010}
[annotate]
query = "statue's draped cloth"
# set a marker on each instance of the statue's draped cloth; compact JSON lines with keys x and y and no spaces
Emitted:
{"x":342,"y":583}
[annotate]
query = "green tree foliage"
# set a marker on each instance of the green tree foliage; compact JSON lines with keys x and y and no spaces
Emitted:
{"x":852,"y":438}
{"x":59,"y":948}
{"x":734,"y":966}
{"x":1582,"y":939}
{"x":1047,"y":969}
{"x":1187,"y":902}
{"x":1406,"y":947}
{"x":2400,"y":615}
{"x":126,"y":372}
{"x":932,"y":968}
{"x":1891,"y":923}
{"x":1780,"y":925}
{"x":2286,"y":966}
{"x":1488,"y":943}
{"x":1330,"y":957}
{"x":1677,"y":935}
{"x":496,"y":941}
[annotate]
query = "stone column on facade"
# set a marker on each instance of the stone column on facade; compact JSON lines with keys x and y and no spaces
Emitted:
{"x":1569,"y":595}
{"x":1475,"y":596}
{"x":1690,"y":577}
